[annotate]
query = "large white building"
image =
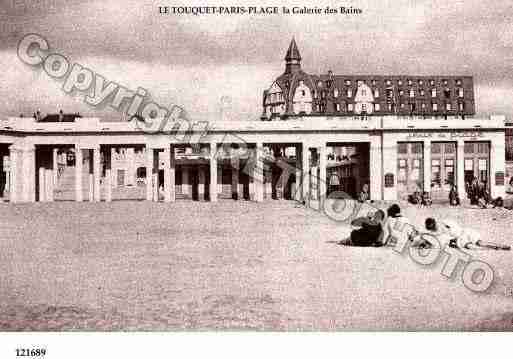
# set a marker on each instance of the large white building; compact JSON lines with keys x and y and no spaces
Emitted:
{"x":398,"y":134}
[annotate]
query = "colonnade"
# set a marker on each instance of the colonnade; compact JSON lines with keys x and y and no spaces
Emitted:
{"x":35,"y":179}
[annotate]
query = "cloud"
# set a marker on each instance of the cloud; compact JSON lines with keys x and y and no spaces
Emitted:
{"x":195,"y":60}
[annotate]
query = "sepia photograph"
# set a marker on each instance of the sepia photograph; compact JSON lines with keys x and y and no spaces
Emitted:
{"x":248,"y":167}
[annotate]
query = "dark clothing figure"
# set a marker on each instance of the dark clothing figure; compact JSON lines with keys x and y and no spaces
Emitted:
{"x":426,"y":199}
{"x":454,"y":198}
{"x":415,"y":198}
{"x":473,"y":192}
{"x":370,"y":233}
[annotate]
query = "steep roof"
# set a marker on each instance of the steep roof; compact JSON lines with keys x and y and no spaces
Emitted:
{"x":293,"y":52}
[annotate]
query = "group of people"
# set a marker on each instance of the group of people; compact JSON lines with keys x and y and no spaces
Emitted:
{"x":423,"y":199}
{"x":379,"y":230}
{"x":478,"y":193}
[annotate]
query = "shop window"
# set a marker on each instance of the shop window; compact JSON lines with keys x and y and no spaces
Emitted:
{"x":436,"y":148}
{"x":483,"y":169}
{"x":415,"y":173}
{"x":435,"y":173}
{"x":499,"y":178}
{"x":450,"y":147}
{"x":468,"y":147}
{"x":402,"y":148}
{"x":482,"y":147}
{"x":389,"y":180}
{"x":469,"y":170}
{"x":416,"y":148}
{"x":449,"y":171}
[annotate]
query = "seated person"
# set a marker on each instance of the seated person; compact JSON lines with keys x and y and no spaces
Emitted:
{"x":397,"y":228}
{"x":454,"y":198}
{"x":363,"y":196}
{"x":370,"y":233}
{"x":426,"y":199}
{"x":415,"y":198}
{"x":467,"y":238}
{"x":432,"y":237}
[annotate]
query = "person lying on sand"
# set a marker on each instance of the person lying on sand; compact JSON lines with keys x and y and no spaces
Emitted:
{"x":370,"y":233}
{"x":397,"y":227}
{"x":466,"y":238}
{"x":453,"y":235}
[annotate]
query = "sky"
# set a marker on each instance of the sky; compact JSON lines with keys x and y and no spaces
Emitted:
{"x":202,"y":62}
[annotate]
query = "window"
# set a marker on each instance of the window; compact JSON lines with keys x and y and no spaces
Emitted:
{"x":449,"y":171}
{"x":450,"y":147}
{"x":421,"y":82}
{"x":349,"y":93}
{"x":389,"y":106}
{"x":416,"y":147}
{"x":447,"y":93}
{"x":448,"y":106}
{"x":399,"y":82}
{"x":435,"y":173}
{"x":376,"y":93}
{"x":350,"y":107}
{"x":401,"y":175}
{"x":432,"y":82}
{"x":402,"y":147}
{"x":388,"y":82}
{"x":335,"y":92}
{"x":364,"y":107}
{"x":468,"y":147}
{"x":323,"y":94}
{"x":402,"y":104}
{"x":319,"y":84}
{"x":409,"y":82}
{"x":435,"y":106}
{"x":337,"y":107}
{"x":389,"y":93}
{"x":412,"y":93}
{"x":422,"y":92}
{"x":433,"y":92}
{"x":364,"y":92}
{"x":458,"y":82}
{"x":376,"y":107}
{"x":461,"y":106}
{"x":482,"y":147}
{"x":423,"y":106}
{"x":436,"y":148}
{"x":460,"y":92}
{"x":401,"y":92}
{"x":445,"y":82}
{"x":348,"y":82}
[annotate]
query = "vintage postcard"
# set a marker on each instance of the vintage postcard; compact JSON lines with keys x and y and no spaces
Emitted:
{"x":239,"y":166}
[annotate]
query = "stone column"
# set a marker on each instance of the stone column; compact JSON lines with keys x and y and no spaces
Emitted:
{"x":202,"y":182}
{"x":297,"y":194}
{"x":375,"y":169}
{"x":131,"y":169}
{"x":14,"y":186}
{"x":29,"y":173}
{"x":78,"y":173}
{"x":460,"y":169}
{"x":42,"y":184}
{"x":185,"y":180}
{"x":55,"y":165}
{"x":169,"y":174}
{"x":389,"y":166}
{"x":149,"y":173}
{"x":497,"y":164}
{"x":305,"y":173}
{"x":213,"y":172}
{"x":258,"y":172}
{"x":426,"y":160}
{"x":96,"y":173}
{"x":49,"y":178}
{"x":234,"y":161}
{"x":107,"y":185}
{"x":322,"y":175}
